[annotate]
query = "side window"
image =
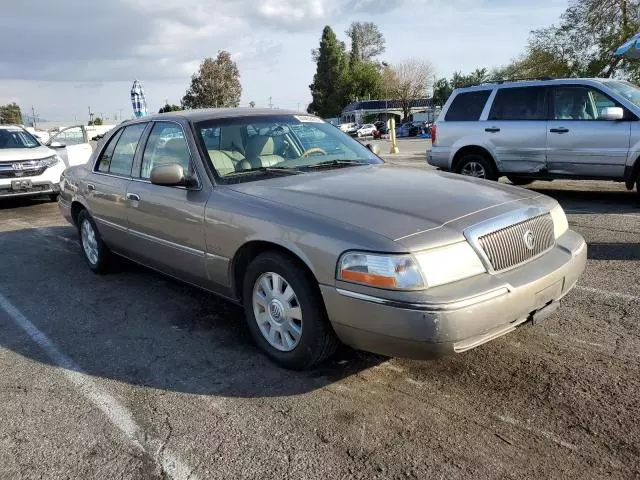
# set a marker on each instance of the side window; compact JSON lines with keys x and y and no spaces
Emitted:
{"x":107,"y":154}
{"x":122,"y":159}
{"x":166,"y":145}
{"x":467,"y":106}
{"x":528,"y":103}
{"x":70,"y":136}
{"x":580,"y":103}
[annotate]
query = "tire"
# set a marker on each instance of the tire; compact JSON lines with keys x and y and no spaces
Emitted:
{"x":521,"y":180}
{"x":98,"y":260}
{"x":264,"y":301}
{"x":478,"y":163}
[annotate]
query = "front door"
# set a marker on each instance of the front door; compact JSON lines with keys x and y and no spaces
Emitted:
{"x":166,"y":224}
{"x":106,"y":189}
{"x":72,"y":145}
{"x":579,"y":141}
{"x":517,"y":129}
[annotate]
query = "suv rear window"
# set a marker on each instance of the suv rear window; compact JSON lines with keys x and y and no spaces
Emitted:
{"x":528,"y":103}
{"x":467,"y":106}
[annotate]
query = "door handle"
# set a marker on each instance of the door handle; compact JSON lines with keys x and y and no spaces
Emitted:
{"x":559,"y":130}
{"x":91,"y":186}
{"x":492,"y":130}
{"x":133,"y":196}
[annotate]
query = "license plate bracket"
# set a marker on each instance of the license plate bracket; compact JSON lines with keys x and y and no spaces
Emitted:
{"x":21,"y":185}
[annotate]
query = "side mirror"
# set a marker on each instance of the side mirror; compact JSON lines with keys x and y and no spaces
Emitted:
{"x":612,"y":113}
{"x":375,"y":149}
{"x":170,"y":175}
{"x":56,"y":144}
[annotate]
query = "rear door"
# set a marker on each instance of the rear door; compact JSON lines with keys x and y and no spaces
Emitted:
{"x":462,"y":118}
{"x":516,"y":127}
{"x":166,"y":224}
{"x":106,"y":188}
{"x":72,"y":145}
{"x":579,"y":141}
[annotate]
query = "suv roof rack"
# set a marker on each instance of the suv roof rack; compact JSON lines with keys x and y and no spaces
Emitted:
{"x":500,"y":81}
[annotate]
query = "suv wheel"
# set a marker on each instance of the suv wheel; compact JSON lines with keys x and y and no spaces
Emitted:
{"x":520,"y":180}
{"x":477,"y":165}
{"x":285,"y":313}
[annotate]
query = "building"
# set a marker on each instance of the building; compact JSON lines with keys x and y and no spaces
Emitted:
{"x":368,"y":111}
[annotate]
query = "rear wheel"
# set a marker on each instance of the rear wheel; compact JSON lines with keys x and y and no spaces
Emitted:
{"x":285,"y":313}
{"x":521,"y":180}
{"x":478,"y":166}
{"x":95,"y":251}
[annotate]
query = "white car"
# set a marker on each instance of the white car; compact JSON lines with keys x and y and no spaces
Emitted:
{"x":366,"y":130}
{"x":72,"y":144}
{"x":27,"y":168}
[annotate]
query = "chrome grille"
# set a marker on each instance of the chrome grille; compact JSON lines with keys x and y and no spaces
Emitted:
{"x":22,"y":168}
{"x":507,"y":247}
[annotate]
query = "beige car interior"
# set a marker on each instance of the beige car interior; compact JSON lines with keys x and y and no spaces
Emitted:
{"x":238,"y":152}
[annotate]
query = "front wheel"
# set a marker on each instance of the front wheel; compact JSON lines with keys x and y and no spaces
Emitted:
{"x":478,"y":166}
{"x":521,"y":180}
{"x":285,"y":313}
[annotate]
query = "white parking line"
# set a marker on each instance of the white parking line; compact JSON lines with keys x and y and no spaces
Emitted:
{"x":116,"y":413}
{"x":608,"y":293}
{"x":542,"y":433}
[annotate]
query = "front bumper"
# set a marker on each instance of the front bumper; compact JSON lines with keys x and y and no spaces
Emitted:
{"x":421,"y":329}
{"x":37,"y":188}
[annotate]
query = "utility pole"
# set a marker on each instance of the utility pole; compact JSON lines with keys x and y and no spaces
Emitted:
{"x":33,"y":117}
{"x":90,"y":115}
{"x":270,"y":104}
{"x":120,"y":110}
{"x":298,"y":106}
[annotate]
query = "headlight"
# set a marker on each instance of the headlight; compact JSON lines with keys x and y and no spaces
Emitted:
{"x":50,"y":161}
{"x":560,"y":223}
{"x":396,"y":272}
{"x":449,"y":264}
{"x":422,"y":270}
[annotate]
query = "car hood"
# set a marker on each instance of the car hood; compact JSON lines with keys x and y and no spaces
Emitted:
{"x":388,"y":200}
{"x":18,"y":154}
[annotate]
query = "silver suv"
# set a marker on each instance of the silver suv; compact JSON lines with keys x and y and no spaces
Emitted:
{"x":541,"y":130}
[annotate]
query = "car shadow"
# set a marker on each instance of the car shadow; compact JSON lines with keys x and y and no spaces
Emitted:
{"x":140,"y":327}
{"x":592,"y":201}
{"x":614,"y":251}
{"x":20,"y":202}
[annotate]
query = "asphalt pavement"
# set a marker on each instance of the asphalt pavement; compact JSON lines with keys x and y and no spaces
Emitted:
{"x":136,"y":376}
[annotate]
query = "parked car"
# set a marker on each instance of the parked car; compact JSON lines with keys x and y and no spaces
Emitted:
{"x":366,"y":130}
{"x":408,"y":129}
{"x":546,"y":129}
{"x":72,"y":145}
{"x":382,"y":127}
{"x":322,"y":247}
{"x":27,"y":168}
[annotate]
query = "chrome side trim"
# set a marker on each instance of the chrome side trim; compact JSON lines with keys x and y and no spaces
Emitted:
{"x":167,"y":243}
{"x":473,"y":233}
{"x":110,"y":224}
{"x":426,"y":306}
{"x":213,"y":256}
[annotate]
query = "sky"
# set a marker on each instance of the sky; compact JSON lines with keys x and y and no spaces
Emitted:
{"x":65,"y":56}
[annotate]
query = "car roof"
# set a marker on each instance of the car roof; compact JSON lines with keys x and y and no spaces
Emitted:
{"x":533,"y":83}
{"x":11,"y":126}
{"x":198,"y":115}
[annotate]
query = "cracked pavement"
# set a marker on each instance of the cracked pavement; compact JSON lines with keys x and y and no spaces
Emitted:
{"x":558,"y":400}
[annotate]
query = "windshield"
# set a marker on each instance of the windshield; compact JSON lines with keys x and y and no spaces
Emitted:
{"x":625,"y":89}
{"x":279,"y":143}
{"x":16,"y":138}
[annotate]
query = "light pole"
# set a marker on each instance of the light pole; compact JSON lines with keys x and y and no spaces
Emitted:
{"x":391,"y":124}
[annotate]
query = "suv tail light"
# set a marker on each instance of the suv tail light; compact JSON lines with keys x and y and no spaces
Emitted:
{"x":434,"y":134}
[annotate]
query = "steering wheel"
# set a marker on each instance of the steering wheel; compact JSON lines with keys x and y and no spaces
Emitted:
{"x":311,"y":150}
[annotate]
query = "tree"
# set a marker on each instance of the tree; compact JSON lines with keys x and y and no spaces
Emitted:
{"x":95,"y":121}
{"x":252,"y":104}
{"x":170,"y":108}
{"x":409,"y":81}
{"x":367,"y":41}
{"x":215,"y":84}
{"x":10,"y":113}
{"x":583,"y":42}
{"x":327,"y":90}
{"x":362,"y":80}
{"x":441,"y":92}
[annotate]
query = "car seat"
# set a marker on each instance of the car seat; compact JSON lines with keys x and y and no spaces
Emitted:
{"x":260,"y":151}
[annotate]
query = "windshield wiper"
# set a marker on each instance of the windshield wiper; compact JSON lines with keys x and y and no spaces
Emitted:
{"x":332,"y":164}
{"x":285,"y":170}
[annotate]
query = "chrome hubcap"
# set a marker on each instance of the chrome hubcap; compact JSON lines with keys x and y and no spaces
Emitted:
{"x":89,"y":242}
{"x":473,"y":169}
{"x":277,"y":312}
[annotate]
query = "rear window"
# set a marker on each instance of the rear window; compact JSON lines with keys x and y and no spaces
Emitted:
{"x":467,"y":106}
{"x":529,"y":103}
